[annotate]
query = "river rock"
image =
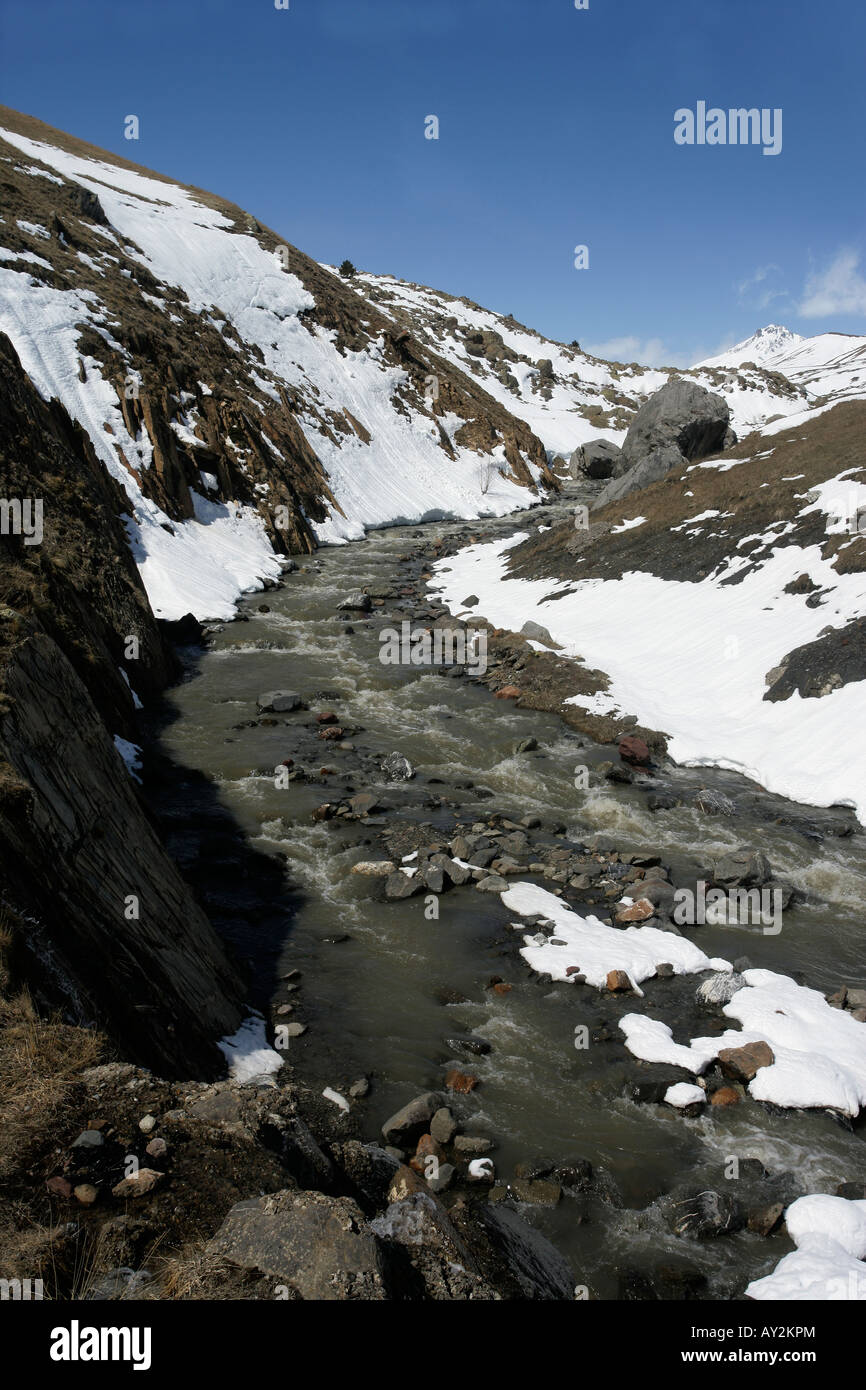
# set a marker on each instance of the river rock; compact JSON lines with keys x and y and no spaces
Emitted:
{"x":719,"y":988}
{"x":408,"y":1124}
{"x":399,"y":885}
{"x":706,"y":1215}
{"x":443,"y":1126}
{"x":468,"y":1043}
{"x":539,"y":1270}
{"x":279,"y":702}
{"x":471,"y":1145}
{"x":396,"y":768}
{"x":743,"y":1063}
{"x":493,"y":883}
{"x":724,"y":1097}
{"x":634,"y":750}
{"x":743,"y":868}
{"x":539,"y":1192}
{"x":433,"y":878}
{"x":656,"y":891}
{"x":320,"y":1246}
{"x":358,"y":601}
{"x":714,"y":803}
{"x":455,"y":872}
{"x":460,"y":1081}
{"x":618,"y":981}
{"x":637,"y":911}
{"x":375,"y":868}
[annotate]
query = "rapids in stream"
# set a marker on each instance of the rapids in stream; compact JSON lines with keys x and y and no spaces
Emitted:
{"x":375,"y":974}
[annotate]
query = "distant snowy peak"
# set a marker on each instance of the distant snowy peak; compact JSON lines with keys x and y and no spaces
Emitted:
{"x":827,"y":368}
{"x":762,"y":348}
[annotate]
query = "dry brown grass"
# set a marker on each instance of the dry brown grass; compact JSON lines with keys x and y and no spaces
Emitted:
{"x":40,"y":1060}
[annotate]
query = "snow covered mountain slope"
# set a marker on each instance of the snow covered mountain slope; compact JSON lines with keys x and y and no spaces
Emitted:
{"x":828,"y":367}
{"x":763,"y":346}
{"x":247,"y":400}
{"x":726,"y":605}
{"x":564,"y":394}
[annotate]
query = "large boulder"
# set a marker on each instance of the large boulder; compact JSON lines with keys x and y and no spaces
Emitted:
{"x":598,"y":458}
{"x":654,"y":466}
{"x":681,"y":422}
{"x":682,"y":413}
{"x":321,"y":1247}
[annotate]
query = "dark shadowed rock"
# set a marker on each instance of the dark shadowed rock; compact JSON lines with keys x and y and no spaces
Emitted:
{"x":598,"y":458}
{"x":539,"y":1269}
{"x":408,"y":1124}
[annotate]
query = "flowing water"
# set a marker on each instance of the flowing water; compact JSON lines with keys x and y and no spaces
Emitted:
{"x":373,"y":1002}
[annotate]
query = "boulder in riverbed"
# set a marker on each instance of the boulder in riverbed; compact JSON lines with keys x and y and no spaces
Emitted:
{"x":279,"y":702}
{"x":408,"y":1124}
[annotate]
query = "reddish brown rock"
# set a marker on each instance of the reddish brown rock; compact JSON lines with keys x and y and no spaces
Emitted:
{"x":426,"y":1148}
{"x":326,"y":717}
{"x":331,"y":733}
{"x":725,"y":1095}
{"x":638,"y":912}
{"x":633,"y":750}
{"x":617,"y":981}
{"x":461,"y":1081}
{"x":501,"y":988}
{"x":59,"y":1187}
{"x":508,"y":692}
{"x":743,"y":1063}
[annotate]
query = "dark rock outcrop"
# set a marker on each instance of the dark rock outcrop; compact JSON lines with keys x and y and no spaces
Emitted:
{"x":104,"y":926}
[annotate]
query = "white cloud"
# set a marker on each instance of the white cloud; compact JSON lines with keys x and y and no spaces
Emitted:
{"x":747,"y":289}
{"x":756,"y":279}
{"x":840,"y":289}
{"x":650,"y":352}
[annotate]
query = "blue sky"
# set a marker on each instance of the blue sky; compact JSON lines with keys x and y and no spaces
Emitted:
{"x":555,"y":130}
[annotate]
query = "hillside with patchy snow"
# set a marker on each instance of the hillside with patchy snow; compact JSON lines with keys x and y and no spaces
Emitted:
{"x":247,"y":401}
{"x":725,"y":603}
{"x":566,"y":395}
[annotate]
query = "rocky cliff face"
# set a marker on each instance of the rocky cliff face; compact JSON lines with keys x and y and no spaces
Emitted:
{"x":103,"y":924}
